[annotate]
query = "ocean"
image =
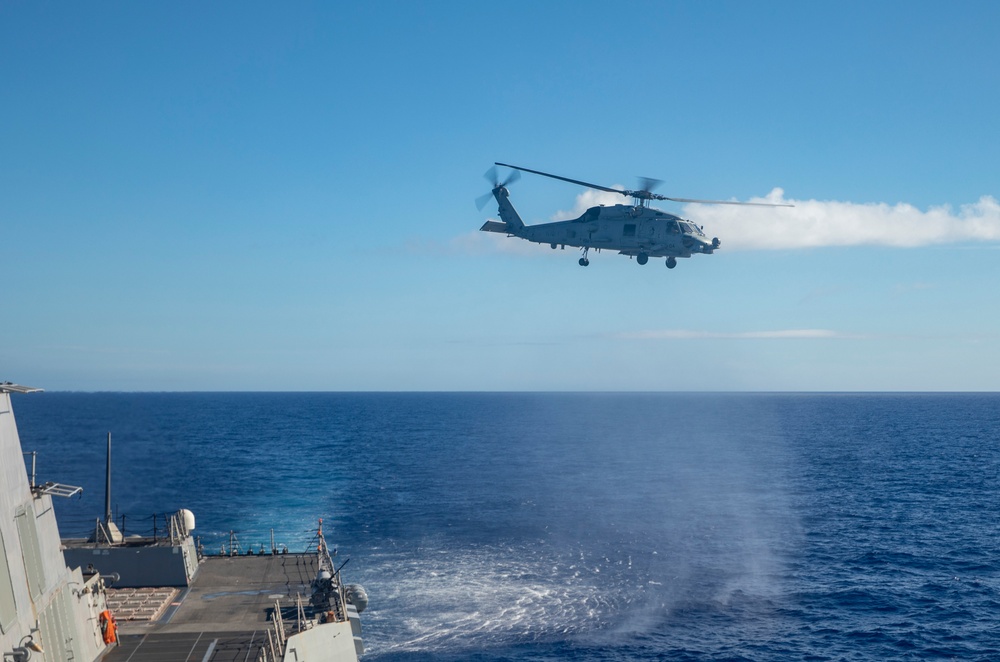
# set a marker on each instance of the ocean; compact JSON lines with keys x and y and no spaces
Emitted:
{"x":595,"y":527}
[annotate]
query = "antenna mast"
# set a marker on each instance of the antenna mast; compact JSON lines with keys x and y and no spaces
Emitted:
{"x":107,"y":486}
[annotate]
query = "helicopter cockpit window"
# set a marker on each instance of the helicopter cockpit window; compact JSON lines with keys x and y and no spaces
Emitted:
{"x":672,"y":227}
{"x":690,"y":228}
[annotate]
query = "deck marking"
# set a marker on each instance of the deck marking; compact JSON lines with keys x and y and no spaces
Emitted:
{"x":250,"y":646}
{"x":211,"y":649}
{"x":193,"y":646}
{"x":134,"y":650}
{"x":169,"y":612}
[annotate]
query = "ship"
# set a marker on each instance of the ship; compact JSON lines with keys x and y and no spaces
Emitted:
{"x":115,"y":598}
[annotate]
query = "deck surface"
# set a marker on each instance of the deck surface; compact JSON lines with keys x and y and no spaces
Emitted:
{"x":224,"y":615}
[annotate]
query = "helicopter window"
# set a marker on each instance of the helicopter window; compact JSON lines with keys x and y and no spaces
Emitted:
{"x":672,"y":227}
{"x":690,"y":228}
{"x":628,"y":230}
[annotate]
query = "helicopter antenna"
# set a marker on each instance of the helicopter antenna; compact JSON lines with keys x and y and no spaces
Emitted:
{"x":642,"y":196}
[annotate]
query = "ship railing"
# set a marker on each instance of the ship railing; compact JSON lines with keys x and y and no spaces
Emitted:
{"x":235,"y":549}
{"x":101,"y":533}
{"x":302,"y":623}
{"x":277,"y":635}
{"x":275,"y":648}
{"x":325,"y":561}
{"x":341,"y":609}
{"x":178,"y":529}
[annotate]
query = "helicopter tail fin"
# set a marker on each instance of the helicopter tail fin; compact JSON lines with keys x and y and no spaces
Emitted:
{"x":511,"y":220}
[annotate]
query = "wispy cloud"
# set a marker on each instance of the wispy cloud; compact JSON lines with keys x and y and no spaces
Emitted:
{"x":905,"y":288}
{"x":481,"y":243}
{"x":685,"y":334}
{"x":797,"y":334}
{"x":85,"y":349}
{"x":814,"y":223}
{"x":821,"y":293}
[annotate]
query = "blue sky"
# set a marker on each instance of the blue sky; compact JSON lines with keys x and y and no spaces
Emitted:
{"x":245,"y":196}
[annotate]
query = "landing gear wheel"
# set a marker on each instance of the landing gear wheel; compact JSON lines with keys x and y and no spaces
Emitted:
{"x":671,"y":262}
{"x":584,"y":262}
{"x":642,"y":258}
{"x":554,"y":246}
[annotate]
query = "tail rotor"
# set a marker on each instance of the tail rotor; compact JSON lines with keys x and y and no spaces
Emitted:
{"x":493,"y":177}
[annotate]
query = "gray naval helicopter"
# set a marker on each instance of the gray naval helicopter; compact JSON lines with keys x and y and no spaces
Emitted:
{"x":636,"y":230}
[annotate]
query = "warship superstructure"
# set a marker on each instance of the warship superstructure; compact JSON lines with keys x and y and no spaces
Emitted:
{"x":138,"y":599}
{"x":47,"y":610}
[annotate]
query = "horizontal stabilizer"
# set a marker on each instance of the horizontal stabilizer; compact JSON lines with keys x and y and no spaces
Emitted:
{"x":494,"y":226}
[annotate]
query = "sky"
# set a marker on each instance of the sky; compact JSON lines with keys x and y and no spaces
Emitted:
{"x":281,"y":197}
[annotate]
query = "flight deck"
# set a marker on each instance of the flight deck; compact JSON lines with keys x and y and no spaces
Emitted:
{"x":224,"y":615}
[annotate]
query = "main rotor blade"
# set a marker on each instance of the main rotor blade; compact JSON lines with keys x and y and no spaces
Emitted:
{"x":566,"y":179}
{"x":723,"y":202}
{"x":648,"y":184}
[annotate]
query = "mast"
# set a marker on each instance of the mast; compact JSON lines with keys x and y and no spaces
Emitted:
{"x":107,"y":486}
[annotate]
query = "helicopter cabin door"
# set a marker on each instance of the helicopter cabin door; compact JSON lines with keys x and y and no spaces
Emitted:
{"x":637,"y":233}
{"x":630,"y":234}
{"x":646,"y":234}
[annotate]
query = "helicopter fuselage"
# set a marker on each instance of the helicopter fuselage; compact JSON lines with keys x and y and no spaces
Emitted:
{"x":627,"y":229}
{"x":633,"y":230}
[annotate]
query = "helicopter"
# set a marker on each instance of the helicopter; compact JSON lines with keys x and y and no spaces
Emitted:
{"x":636,"y":230}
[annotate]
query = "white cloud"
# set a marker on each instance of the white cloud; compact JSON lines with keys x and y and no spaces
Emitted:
{"x":814,"y":223}
{"x":809,"y":224}
{"x":684,"y":334}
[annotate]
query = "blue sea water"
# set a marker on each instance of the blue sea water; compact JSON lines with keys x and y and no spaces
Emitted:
{"x":582,"y":526}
